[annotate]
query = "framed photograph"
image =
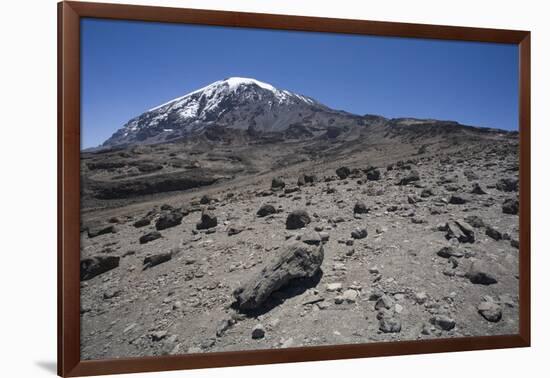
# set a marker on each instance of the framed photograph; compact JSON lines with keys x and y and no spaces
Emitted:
{"x":240,"y":188}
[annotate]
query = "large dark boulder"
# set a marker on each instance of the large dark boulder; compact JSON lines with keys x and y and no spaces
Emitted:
{"x":169,"y":219}
{"x":208,"y":220}
{"x":296,"y":260}
{"x":297,"y":219}
{"x":94,"y":266}
{"x":343,"y":172}
{"x":266,"y":210}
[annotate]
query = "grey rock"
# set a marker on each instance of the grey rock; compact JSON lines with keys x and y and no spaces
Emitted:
{"x":169,"y":219}
{"x":297,"y":219}
{"x":102,"y":230}
{"x":94,"y":266}
{"x":343,"y":172}
{"x":311,"y":237}
{"x":479,"y":274}
{"x":457,"y":200}
{"x":461,"y":231}
{"x":266,"y":210}
{"x":410,"y":178}
{"x":507,"y":185}
{"x":208,"y":220}
{"x":258,"y":332}
{"x":360,"y":208}
{"x":296,"y":260}
{"x":154,"y":260}
{"x":277,"y":183}
{"x":510,"y":206}
{"x":490,"y":310}
{"x":443,"y":322}
{"x":359,"y":233}
{"x":493,"y":233}
{"x":389,"y":325}
{"x":153,"y":235}
{"x":449,"y":251}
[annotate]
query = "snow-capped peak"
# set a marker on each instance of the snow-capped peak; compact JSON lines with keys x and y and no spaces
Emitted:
{"x":231,"y":84}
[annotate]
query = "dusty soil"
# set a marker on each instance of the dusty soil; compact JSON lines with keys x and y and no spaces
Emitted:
{"x":184,"y":305}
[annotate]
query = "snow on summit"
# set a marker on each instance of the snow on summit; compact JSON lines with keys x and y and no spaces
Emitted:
{"x":230,"y":85}
{"x":235,"y":102}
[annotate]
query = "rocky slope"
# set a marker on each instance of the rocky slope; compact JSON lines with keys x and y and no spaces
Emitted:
{"x":389,"y":230}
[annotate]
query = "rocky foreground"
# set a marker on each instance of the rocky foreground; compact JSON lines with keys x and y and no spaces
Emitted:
{"x":416,"y":248}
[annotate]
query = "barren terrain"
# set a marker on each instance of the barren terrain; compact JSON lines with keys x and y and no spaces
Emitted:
{"x":417,"y":236}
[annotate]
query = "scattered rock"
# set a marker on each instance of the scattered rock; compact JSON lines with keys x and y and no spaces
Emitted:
{"x":336,"y":286}
{"x":157,"y":259}
{"x":145,"y":221}
{"x":266,"y":210}
{"x":449,"y":251}
{"x":258,"y":332}
{"x":475,"y":221}
{"x":359,"y":233}
{"x":101,"y":230}
{"x":426,"y":193}
{"x":420,"y":297}
{"x":479,"y":274}
{"x":350,"y":296}
{"x":461,"y":231}
{"x":389,"y":325}
{"x":158,"y":336}
{"x":510,"y":206}
{"x":234,"y":230}
{"x":507,"y":185}
{"x":384,"y":301}
{"x":457,"y":200}
{"x":373,"y":174}
{"x":297,"y":219}
{"x":343,"y":172}
{"x":476,"y":189}
{"x":169,"y":219}
{"x":490,"y":310}
{"x":360,"y":208}
{"x":493,"y":233}
{"x":208,"y":220}
{"x":311,"y":237}
{"x":296,"y":260}
{"x":277,"y":183}
{"x":94,"y":266}
{"x":153,"y":235}
{"x":443,"y":322}
{"x":306,"y":179}
{"x":411,"y":177}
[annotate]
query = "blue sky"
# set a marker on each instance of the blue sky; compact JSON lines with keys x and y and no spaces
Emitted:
{"x":129,"y":67}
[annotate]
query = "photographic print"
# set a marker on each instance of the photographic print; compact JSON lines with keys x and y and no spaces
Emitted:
{"x":252,"y":189}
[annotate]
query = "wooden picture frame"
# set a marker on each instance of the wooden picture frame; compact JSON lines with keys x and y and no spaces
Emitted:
{"x":69,"y":15}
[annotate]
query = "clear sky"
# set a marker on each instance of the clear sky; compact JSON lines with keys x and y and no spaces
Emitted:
{"x":129,"y":67}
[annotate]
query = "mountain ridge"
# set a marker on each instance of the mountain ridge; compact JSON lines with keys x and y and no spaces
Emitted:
{"x":255,"y":107}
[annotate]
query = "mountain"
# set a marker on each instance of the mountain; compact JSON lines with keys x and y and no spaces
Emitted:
{"x":235,"y":103}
